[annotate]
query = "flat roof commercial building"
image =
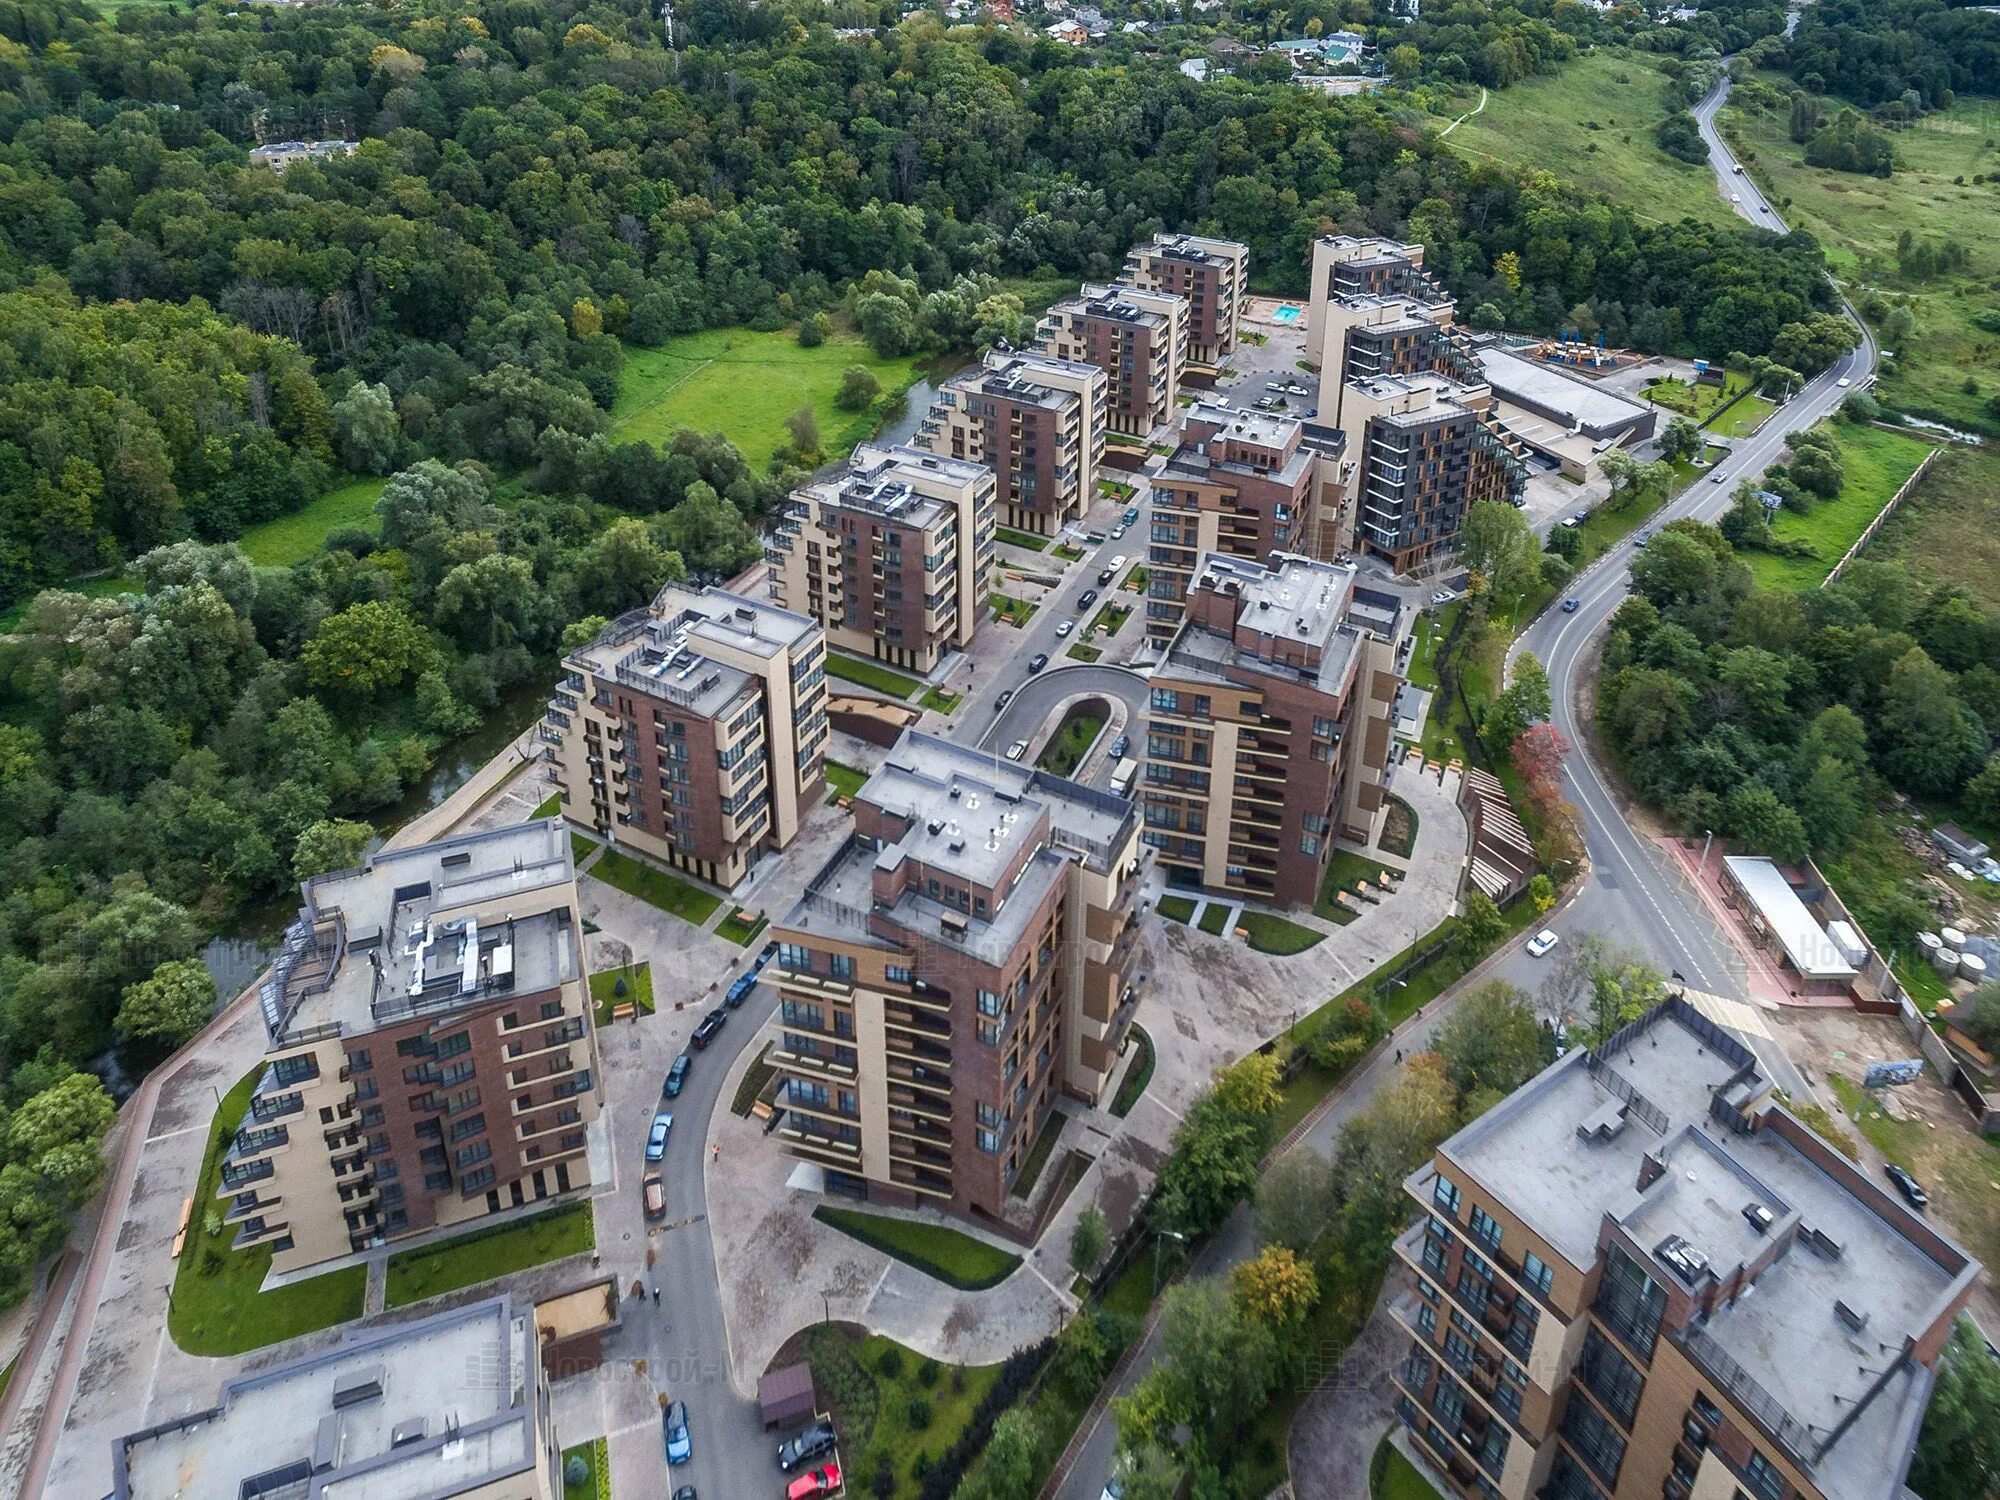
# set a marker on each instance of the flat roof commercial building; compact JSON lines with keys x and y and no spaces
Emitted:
{"x":891,"y":554}
{"x":1241,"y":483}
{"x":695,"y":731}
{"x":1214,"y":276}
{"x":1640,"y":1276}
{"x":1138,"y":338}
{"x":1037,"y":422}
{"x":960,"y":964}
{"x":1786,"y":925}
{"x":1268,"y":726}
{"x":430,"y":1052}
{"x":449,"y":1405}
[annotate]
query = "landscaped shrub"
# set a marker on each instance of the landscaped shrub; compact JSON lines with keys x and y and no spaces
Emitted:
{"x":927,"y":1373}
{"x":889,"y":1364}
{"x":1016,"y":1377}
{"x":577,"y":1470}
{"x":918,"y":1413}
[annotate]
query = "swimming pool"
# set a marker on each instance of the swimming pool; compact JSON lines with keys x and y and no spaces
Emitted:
{"x":1289,"y":313}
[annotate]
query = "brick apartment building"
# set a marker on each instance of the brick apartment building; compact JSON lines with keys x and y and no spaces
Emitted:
{"x":694,"y":732}
{"x":1241,"y":483}
{"x":1268,"y":727}
{"x":1139,"y":339}
{"x":430,"y":1054}
{"x":891,"y":554}
{"x":1214,"y":276}
{"x":1037,"y":422}
{"x":1640,"y":1277}
{"x":453,"y":1404}
{"x":963,"y":961}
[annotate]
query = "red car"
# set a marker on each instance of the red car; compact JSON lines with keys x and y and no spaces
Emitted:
{"x":819,"y":1482}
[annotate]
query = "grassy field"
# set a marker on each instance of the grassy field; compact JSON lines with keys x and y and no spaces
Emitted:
{"x":1592,"y":124}
{"x":1393,"y":1477}
{"x":1215,"y":918}
{"x":871,"y":674}
{"x":1957,"y":1167}
{"x":740,"y":932}
{"x":1858,"y":218}
{"x":1063,"y":754}
{"x":604,"y":996}
{"x":669,"y":893}
{"x":1876,"y":463}
{"x":1273,"y":934}
{"x":1137,"y":1075}
{"x":744,"y":385}
{"x":486,"y":1254}
{"x":216,"y":1307}
{"x":1694,"y":400}
{"x":294,"y":538}
{"x":844,"y":780}
{"x":875,"y":1390}
{"x":1948,"y":531}
{"x":1177,"y":908}
{"x":956,"y":1259}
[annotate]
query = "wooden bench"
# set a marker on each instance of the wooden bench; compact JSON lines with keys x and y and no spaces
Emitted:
{"x":181,"y":1230}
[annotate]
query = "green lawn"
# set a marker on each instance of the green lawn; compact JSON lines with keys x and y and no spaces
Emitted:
{"x":549,"y":807}
{"x":1038,"y":1157}
{"x":486,"y":1253}
{"x":872,"y":674}
{"x":1933,"y":192}
{"x":1696,"y":399}
{"x":581,"y":847}
{"x":604,"y":996}
{"x":1948,"y":530}
{"x":1081,"y":652}
{"x":669,"y":893}
{"x":875,"y":1389}
{"x":1023,"y":539}
{"x":939,"y":701}
{"x":216,"y":1307}
{"x":1744,"y":418}
{"x":1273,"y":934}
{"x":1014,"y":611}
{"x":1876,"y":463}
{"x":744,"y":384}
{"x":1214,"y":918}
{"x":752,"y":1083}
{"x":1137,"y":1075}
{"x":1957,"y":1166}
{"x":1345,"y":871}
{"x":294,"y":538}
{"x":1066,"y":552}
{"x":1063,"y":754}
{"x":956,"y":1259}
{"x":597,"y":1483}
{"x":1593,"y":124}
{"x":843,"y":779}
{"x":1109,"y":619}
{"x":1176,"y":908}
{"x":1393,"y":1477}
{"x":739,"y":932}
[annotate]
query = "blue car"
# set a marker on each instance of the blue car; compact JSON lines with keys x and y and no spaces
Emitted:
{"x":674,"y":1422}
{"x":1571,"y":606}
{"x":740,"y":991}
{"x":656,"y":1138}
{"x":677,"y":1075}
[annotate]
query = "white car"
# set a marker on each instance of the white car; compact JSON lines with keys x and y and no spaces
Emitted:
{"x":1443,"y":596}
{"x":1065,"y":628}
{"x":1116,"y":562}
{"x":1844,"y":382}
{"x":1541,"y":942}
{"x":1016,"y":750}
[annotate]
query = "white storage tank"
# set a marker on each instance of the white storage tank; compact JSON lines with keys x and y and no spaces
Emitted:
{"x":1971,"y":966}
{"x":1952,"y":938}
{"x":1929,"y":942}
{"x":1945,"y":961}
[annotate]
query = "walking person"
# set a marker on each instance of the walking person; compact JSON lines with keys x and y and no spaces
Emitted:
{"x":715,"y":1151}
{"x":656,"y":1296}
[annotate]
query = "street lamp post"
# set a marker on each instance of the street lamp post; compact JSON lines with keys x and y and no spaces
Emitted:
{"x":1159,"y":1239}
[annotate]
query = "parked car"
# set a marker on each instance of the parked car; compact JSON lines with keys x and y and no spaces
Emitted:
{"x":1541,"y":942}
{"x":1275,"y":385}
{"x":1114,"y":1489}
{"x":1105,"y":575}
{"x":822,"y":1481}
{"x":1120,"y":745}
{"x":1572,"y":522}
{"x":740,"y":990}
{"x":1084,"y":600}
{"x":1117,"y":562}
{"x":1267,"y":403}
{"x":1443,"y":596}
{"x":685,"y":1492}
{"x":1117,"y":531}
{"x":1912,"y":1190}
{"x":1065,"y":628}
{"x":656,"y":1138}
{"x":1016,"y":750}
{"x":1572,"y":605}
{"x":655,"y":1190}
{"x":677,"y":1075}
{"x":1039,"y":660}
{"x":1131,"y":515}
{"x":674,"y":1423}
{"x":710,"y":1025}
{"x":765,"y":954}
{"x":815,"y":1442}
{"x":1003,"y":700}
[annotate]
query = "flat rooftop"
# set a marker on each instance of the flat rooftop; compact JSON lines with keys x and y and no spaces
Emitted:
{"x":1268,"y":429}
{"x":1565,"y":1153}
{"x":1294,"y":599}
{"x":438,"y":1406}
{"x":1578,"y":402}
{"x":1122,"y":304}
{"x":1193,"y":247}
{"x":885,"y":483}
{"x":1805,"y":942}
{"x":395,"y":938}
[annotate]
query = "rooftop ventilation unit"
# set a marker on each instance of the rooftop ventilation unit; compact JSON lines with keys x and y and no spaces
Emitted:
{"x":1854,"y":1321}
{"x":357,"y":1386}
{"x":1758,"y":1216}
{"x":1685,"y":1261}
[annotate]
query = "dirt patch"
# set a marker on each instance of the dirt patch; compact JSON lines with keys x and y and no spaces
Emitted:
{"x":962,"y":1322}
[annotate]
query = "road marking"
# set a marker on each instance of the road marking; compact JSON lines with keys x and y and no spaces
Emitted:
{"x":167,"y":1135}
{"x":1166,"y":1106}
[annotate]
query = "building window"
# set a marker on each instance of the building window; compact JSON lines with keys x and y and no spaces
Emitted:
{"x":1764,"y":1479}
{"x":1597,"y":1442}
{"x":295,"y":1069}
{"x":1537,"y":1272}
{"x":1610,"y":1377}
{"x":1444,"y":1193}
{"x":899,"y":973}
{"x":1308,"y":843}
{"x":1630,"y":1303}
{"x":792,"y":956}
{"x":989,"y":1003}
{"x":1427,"y":1320}
{"x":989,"y":1142}
{"x":840,"y":965}
{"x":1486,"y":1229}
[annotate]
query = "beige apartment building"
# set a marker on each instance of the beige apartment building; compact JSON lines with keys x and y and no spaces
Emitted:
{"x":430,"y":1057}
{"x":452,"y":1406}
{"x":693,"y":732}
{"x":1268,"y":726}
{"x":1138,"y":338}
{"x":1640,"y":1277}
{"x":963,"y":962}
{"x":892,"y":554}
{"x":1214,"y":276}
{"x":1037,"y":422}
{"x":1243,"y":484}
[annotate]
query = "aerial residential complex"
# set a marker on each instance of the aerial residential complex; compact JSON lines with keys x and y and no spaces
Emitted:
{"x":1213,"y":275}
{"x":1242,"y":483}
{"x":960,"y":963}
{"x":430,"y":1053}
{"x":891,"y":554}
{"x":451,"y":1404}
{"x":1640,"y":1276}
{"x":1038,"y":423}
{"x":1268,"y":729}
{"x":694,"y":732}
{"x":1139,"y":339}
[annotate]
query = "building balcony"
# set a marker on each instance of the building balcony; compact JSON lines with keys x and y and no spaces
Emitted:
{"x":811,"y":1065}
{"x":925,"y":1180}
{"x":840,"y":1153}
{"x":921,"y":1077}
{"x":918,"y":1128}
{"x":919,"y":1154}
{"x":925,"y":1055}
{"x":918,"y":1023}
{"x":926,"y":1106}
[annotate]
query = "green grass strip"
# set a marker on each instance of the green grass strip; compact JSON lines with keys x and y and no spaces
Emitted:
{"x":958,"y":1260}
